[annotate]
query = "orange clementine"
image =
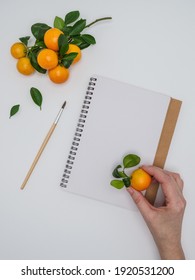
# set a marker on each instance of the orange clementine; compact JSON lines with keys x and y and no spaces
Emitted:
{"x":18,"y":50}
{"x":47,"y":59}
{"x":74,"y":48}
{"x":140,"y":179}
{"x":24,"y":66}
{"x":51,"y":38}
{"x":58,"y":74}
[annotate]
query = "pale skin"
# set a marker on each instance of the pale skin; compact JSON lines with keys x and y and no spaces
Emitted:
{"x":165,"y":222}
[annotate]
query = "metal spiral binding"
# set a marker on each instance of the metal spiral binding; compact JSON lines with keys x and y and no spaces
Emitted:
{"x":78,"y":132}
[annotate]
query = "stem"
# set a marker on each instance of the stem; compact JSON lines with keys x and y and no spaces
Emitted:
{"x":124,"y":172}
{"x":99,"y":19}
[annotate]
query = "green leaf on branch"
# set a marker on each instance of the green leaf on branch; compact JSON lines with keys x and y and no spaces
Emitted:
{"x":63,"y":44}
{"x":71,"y":17}
{"x":39,"y":29}
{"x":59,"y":23}
{"x":89,"y":39}
{"x":79,"y":41}
{"x":40,"y":44}
{"x":67,"y":30}
{"x":117,"y":173}
{"x":84,"y":46}
{"x":70,"y":56}
{"x":36,"y":96}
{"x":14,"y":110}
{"x":78,"y":27}
{"x":68,"y":59}
{"x":126,"y":181}
{"x":117,"y":184}
{"x":131,"y":160}
{"x":33,"y":59}
{"x":25,"y":40}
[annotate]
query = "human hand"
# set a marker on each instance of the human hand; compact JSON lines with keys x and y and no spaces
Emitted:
{"x":165,"y":222}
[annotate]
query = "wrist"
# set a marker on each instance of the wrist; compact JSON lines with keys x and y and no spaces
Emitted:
{"x":171,"y":252}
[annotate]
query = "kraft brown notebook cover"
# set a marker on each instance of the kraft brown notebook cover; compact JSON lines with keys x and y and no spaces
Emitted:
{"x":164,"y":144}
{"x":117,"y":118}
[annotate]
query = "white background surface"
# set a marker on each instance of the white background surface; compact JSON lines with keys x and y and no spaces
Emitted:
{"x":148,"y":43}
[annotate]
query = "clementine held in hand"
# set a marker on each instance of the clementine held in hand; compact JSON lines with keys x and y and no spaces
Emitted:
{"x":24,"y":66}
{"x":140,"y":179}
{"x":18,"y":50}
{"x":47,"y":59}
{"x":58,"y":74}
{"x":51,"y":38}
{"x":74,"y":48}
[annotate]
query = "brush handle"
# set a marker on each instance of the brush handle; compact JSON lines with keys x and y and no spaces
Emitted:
{"x":38,"y":155}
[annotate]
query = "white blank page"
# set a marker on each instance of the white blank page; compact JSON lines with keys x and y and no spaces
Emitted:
{"x":122,"y":119}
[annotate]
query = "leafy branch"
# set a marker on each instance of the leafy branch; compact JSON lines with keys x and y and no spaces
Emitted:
{"x":122,"y":179}
{"x":72,"y":27}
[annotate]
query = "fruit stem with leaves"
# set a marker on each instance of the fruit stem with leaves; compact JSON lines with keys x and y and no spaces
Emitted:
{"x":72,"y":28}
{"x":123,"y":179}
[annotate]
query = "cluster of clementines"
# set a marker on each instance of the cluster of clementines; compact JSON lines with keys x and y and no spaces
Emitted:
{"x":48,"y":56}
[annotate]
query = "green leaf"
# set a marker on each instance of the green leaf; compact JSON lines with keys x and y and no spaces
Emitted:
{"x":131,"y":160}
{"x":78,"y":27}
{"x":67,"y":29}
{"x":59,"y":23}
{"x":115,"y":172}
{"x":39,"y":29}
{"x":71,"y":17}
{"x":36,"y":96}
{"x":126,"y":181}
{"x":14,"y":110}
{"x":63,"y":44}
{"x":77,"y":40}
{"x":89,"y":39}
{"x":25,"y":40}
{"x":117,"y":184}
{"x":84,"y":46}
{"x":70,"y":56}
{"x":40,"y":44}
{"x":68,"y":59}
{"x":33,"y":59}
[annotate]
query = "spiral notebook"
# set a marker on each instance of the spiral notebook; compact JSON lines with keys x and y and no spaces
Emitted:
{"x":116,"y":119}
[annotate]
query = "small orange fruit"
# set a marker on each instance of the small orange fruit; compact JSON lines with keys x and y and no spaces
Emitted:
{"x":18,"y":50}
{"x":51,"y":38}
{"x":24,"y":66}
{"x":47,"y":59}
{"x":59,"y":74}
{"x":74,"y":48}
{"x":140,"y":179}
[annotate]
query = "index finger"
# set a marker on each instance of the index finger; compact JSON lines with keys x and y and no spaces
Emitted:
{"x":168,"y":183}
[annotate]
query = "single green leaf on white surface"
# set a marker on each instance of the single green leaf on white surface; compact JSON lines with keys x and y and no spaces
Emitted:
{"x":36,"y":96}
{"x":14,"y":110}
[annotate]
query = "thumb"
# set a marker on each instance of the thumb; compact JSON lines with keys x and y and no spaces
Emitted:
{"x":142,"y":204}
